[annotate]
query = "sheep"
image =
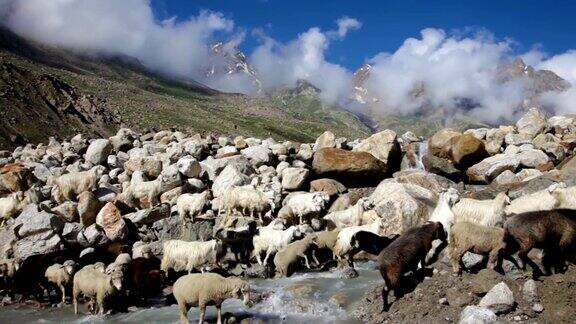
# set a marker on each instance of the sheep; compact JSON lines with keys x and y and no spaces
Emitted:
{"x":479,"y":239}
{"x":140,"y":189}
{"x":185,"y":256}
{"x":11,"y":206}
{"x":351,"y":216}
{"x":191,"y":205}
{"x":144,"y":277}
{"x":443,"y":213}
{"x":93,"y":284}
{"x":484,"y":212}
{"x":72,"y":184}
{"x":302,"y":204}
{"x":201,"y":290}
{"x":370,"y":243}
{"x":271,"y":240}
{"x":554,"y":230}
{"x":286,"y":258}
{"x":343,"y":245}
{"x":404,"y":254}
{"x":121,"y":264}
{"x":61,"y":275}
{"x":325,"y":240}
{"x":246,"y":198}
{"x":564,"y":196}
{"x":239,"y":240}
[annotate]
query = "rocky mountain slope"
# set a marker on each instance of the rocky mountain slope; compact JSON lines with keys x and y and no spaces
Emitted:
{"x":103,"y":92}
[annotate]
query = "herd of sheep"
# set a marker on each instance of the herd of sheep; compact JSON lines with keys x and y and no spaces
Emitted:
{"x":109,"y":194}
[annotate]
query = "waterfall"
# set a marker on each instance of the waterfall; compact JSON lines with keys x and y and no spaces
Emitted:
{"x":422,"y":151}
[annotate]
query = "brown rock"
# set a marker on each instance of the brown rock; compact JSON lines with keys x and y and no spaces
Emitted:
{"x":330,"y":186}
{"x":15,"y":177}
{"x":467,"y":150}
{"x":110,"y":219}
{"x":351,"y":168}
{"x":439,"y":144}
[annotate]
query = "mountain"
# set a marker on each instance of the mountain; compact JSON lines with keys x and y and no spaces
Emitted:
{"x":52,"y":91}
{"x":430,"y":118}
{"x":228,"y":59}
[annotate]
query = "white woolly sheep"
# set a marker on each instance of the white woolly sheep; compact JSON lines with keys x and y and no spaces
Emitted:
{"x":271,"y":241}
{"x":140,"y":189}
{"x":121,"y":264}
{"x":185,"y":256}
{"x":93,"y":284}
{"x":11,"y":206}
{"x":565,"y":197}
{"x":201,"y":290}
{"x":303,"y":204}
{"x":351,"y":216}
{"x":191,"y":205}
{"x":72,"y":184}
{"x":286,"y":258}
{"x":246,"y":199}
{"x":479,"y":239}
{"x":343,"y":245}
{"x":444,"y":215}
{"x":546,"y":199}
{"x":489,"y":212}
{"x":61,"y":275}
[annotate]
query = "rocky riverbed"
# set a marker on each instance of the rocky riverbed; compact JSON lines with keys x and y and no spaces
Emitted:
{"x":90,"y":200}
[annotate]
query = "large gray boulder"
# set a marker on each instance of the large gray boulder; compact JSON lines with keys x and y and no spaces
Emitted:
{"x":294,"y":178}
{"x":189,"y":166}
{"x":98,"y":151}
{"x":532,"y":123}
{"x":38,"y":244}
{"x":491,"y":167}
{"x":477,"y":315}
{"x":33,"y":221}
{"x":384,"y":146}
{"x":499,"y":299}
{"x":150,"y":215}
{"x":326,"y":139}
{"x":258,"y":155}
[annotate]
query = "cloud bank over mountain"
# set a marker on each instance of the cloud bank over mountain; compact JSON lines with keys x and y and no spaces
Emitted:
{"x":434,"y":70}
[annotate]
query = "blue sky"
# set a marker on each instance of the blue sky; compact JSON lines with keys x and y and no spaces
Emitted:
{"x":386,"y":24}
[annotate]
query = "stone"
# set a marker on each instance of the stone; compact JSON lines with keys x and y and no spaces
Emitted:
{"x":484,"y":280}
{"x":93,"y":235}
{"x":349,"y":167}
{"x":88,"y":208}
{"x":281,"y":166}
{"x":98,"y":151}
{"x":442,"y":167}
{"x":70,"y":232}
{"x":151,"y":166}
{"x":491,"y":167}
{"x":467,"y":150}
{"x":213,"y":167}
{"x":240,"y":142}
{"x":329,"y":186}
{"x":530,"y":291}
{"x":477,"y":315}
{"x":39,"y":243}
{"x":538,"y":308}
{"x":479,"y":133}
{"x":150,"y":215}
{"x":33,"y":221}
{"x":67,"y":210}
{"x":499,"y":299}
{"x":294,"y":178}
{"x":494,"y":140}
{"x":504,"y":178}
{"x":278,"y":149}
{"x":171,"y":195}
{"x":326,"y":139}
{"x":346,"y":273}
{"x":110,"y":219}
{"x":305,"y":152}
{"x":532,"y":123}
{"x":15,"y":177}
{"x":554,"y":150}
{"x":517,"y":139}
{"x":427,"y":180}
{"x":189,"y":166}
{"x":384,"y":146}
{"x":259,"y":271}
{"x":228,"y":178}
{"x":458,"y":298}
{"x":257,"y":155}
{"x":410,"y":137}
{"x":532,"y":158}
{"x":439,"y":144}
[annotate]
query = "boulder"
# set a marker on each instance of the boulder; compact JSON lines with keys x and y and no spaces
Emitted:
{"x":499,"y":299}
{"x":531,"y":158}
{"x":327,"y":139}
{"x":189,"y":166}
{"x":110,"y":219}
{"x":67,"y":210}
{"x":294,"y":178}
{"x":40,"y":243}
{"x":491,"y":167}
{"x":330,"y":186}
{"x":532,"y":123}
{"x":151,"y":166}
{"x":33,"y":221}
{"x":98,"y":151}
{"x":88,"y":208}
{"x":213,"y":167}
{"x":439,"y":144}
{"x":555,"y":150}
{"x":402,"y":205}
{"x":16,"y":177}
{"x":430,"y":181}
{"x":226,"y":151}
{"x":467,"y":150}
{"x":349,"y":167}
{"x":171,"y":195}
{"x":479,"y":133}
{"x":384,"y":146}
{"x":305,"y":152}
{"x":477,"y":315}
{"x":92,"y":235}
{"x":530,"y":291}
{"x":150,"y":215}
{"x":442,"y":167}
{"x":240,"y":142}
{"x":257,"y":155}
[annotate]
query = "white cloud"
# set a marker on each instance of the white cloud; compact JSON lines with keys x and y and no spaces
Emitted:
{"x":345,"y":24}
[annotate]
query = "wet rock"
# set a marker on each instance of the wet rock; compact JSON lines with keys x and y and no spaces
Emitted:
{"x":477,"y":315}
{"x":346,"y":273}
{"x":499,"y":299}
{"x":259,"y":271}
{"x":294,"y":178}
{"x":150,"y":215}
{"x":384,"y":146}
{"x":327,"y":139}
{"x":350,"y":168}
{"x":329,"y":186}
{"x":110,"y":219}
{"x":98,"y":151}
{"x":33,"y":221}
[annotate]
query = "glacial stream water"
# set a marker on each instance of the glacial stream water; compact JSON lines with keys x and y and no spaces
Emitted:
{"x":302,"y":298}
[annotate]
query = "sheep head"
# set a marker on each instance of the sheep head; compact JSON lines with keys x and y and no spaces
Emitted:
{"x":242,"y":291}
{"x":69,"y":266}
{"x":451,"y":195}
{"x":116,"y":279}
{"x":99,"y":171}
